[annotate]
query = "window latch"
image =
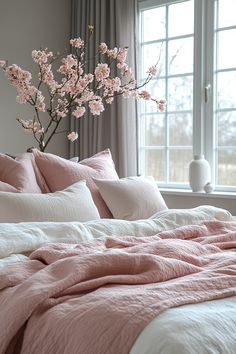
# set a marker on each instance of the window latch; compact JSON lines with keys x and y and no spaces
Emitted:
{"x":207,"y":92}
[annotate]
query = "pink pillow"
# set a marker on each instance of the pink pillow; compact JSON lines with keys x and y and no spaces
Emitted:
{"x":5,"y":187}
{"x":60,"y":173}
{"x":17,"y":175}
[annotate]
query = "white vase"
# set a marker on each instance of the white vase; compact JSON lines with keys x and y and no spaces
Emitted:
{"x":199,"y":173}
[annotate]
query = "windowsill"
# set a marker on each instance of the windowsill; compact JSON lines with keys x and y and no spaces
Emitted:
{"x":189,"y":193}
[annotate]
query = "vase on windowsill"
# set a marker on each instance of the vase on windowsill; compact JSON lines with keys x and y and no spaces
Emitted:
{"x":199,"y":173}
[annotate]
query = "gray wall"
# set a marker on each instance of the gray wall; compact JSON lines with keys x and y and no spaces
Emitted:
{"x":26,"y":25}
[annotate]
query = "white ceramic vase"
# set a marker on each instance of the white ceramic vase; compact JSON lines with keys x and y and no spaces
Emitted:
{"x":199,"y":173}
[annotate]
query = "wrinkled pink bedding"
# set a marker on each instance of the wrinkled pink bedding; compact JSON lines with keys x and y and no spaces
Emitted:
{"x":96,"y":297}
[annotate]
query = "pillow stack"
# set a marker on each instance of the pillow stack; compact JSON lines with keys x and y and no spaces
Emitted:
{"x":59,"y":173}
{"x":41,"y":186}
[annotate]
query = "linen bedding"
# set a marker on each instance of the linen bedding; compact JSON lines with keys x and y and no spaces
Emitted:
{"x":104,"y":295}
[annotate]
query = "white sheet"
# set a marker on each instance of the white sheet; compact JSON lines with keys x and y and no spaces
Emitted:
{"x":204,"y":328}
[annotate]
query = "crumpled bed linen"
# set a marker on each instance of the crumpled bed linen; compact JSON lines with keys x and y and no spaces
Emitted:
{"x":98,"y":296}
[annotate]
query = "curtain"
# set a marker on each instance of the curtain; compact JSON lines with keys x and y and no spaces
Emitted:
{"x":114,"y":23}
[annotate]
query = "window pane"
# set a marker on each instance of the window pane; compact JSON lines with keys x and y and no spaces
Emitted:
{"x":154,"y":21}
{"x":227,"y":168}
{"x":180,"y":51}
{"x":154,"y":54}
{"x":179,"y":161}
{"x":226,"y":92}
{"x":154,"y":129}
{"x":226,"y":13}
{"x":180,"y":93}
{"x":154,"y":164}
{"x":226,"y":56}
{"x":181,"y":129}
{"x":181,"y":19}
{"x":227,"y":128}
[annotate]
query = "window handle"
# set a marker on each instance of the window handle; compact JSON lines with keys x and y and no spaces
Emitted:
{"x":207,"y":92}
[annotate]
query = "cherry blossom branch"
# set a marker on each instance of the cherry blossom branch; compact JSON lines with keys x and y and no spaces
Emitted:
{"x":77,"y":91}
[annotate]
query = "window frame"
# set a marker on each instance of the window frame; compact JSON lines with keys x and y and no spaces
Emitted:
{"x":203,"y":83}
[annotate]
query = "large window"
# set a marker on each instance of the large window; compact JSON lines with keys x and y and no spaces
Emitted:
{"x":193,"y":42}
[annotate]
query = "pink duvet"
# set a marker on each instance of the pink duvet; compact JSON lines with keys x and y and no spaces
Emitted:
{"x":96,"y":297}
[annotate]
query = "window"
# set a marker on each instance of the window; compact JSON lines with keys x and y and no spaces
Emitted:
{"x":192,"y":41}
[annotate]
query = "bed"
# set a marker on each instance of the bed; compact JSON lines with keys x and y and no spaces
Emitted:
{"x":94,"y":264}
{"x":165,"y":284}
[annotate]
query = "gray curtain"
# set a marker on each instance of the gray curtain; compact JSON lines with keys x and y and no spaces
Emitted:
{"x":114,"y":23}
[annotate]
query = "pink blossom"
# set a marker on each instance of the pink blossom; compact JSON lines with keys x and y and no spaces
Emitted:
{"x":87,"y":95}
{"x":16,"y":75}
{"x":126,"y":70}
{"x":129,"y":91}
{"x":21,"y":80}
{"x":46,"y":74}
{"x":152,"y":70}
{"x":69,"y":64}
{"x":126,"y":93}
{"x":131,"y":85}
{"x":61,"y":113}
{"x":89,"y":77}
{"x":72,"y":136}
{"x":41,"y":56}
{"x":70,"y":61}
{"x":54,"y":86}
{"x":83,"y":83}
{"x":121,"y":57}
{"x":39,"y":104}
{"x":62,"y":108}
{"x":2,"y":63}
{"x":103,"y":48}
{"x":32,"y":126}
{"x":25,"y":93}
{"x":79,"y":112}
{"x":112,"y":53}
{"x":62,"y":103}
{"x":96,"y":107}
{"x":31,"y":90}
{"x":161,"y":105}
{"x":102,"y":71}
{"x":145,"y":95}
{"x":109,"y":100}
{"x":112,"y":84}
{"x":77,"y":42}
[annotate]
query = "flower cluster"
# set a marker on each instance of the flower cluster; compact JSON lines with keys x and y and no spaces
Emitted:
{"x":77,"y":91}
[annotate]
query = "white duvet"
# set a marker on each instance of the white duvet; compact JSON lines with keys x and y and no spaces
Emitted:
{"x":208,"y":327}
{"x":26,"y":237}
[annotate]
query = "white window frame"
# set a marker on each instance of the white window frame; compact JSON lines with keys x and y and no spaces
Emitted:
{"x":203,"y":99}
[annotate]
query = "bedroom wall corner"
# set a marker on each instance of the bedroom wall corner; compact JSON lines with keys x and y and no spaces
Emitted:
{"x":26,"y":25}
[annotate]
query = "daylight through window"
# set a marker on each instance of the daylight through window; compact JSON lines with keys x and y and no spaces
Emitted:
{"x":192,"y":43}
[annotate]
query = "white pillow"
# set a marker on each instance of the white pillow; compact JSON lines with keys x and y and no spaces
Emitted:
{"x":131,"y":198}
{"x":74,"y":203}
{"x":74,"y":159}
